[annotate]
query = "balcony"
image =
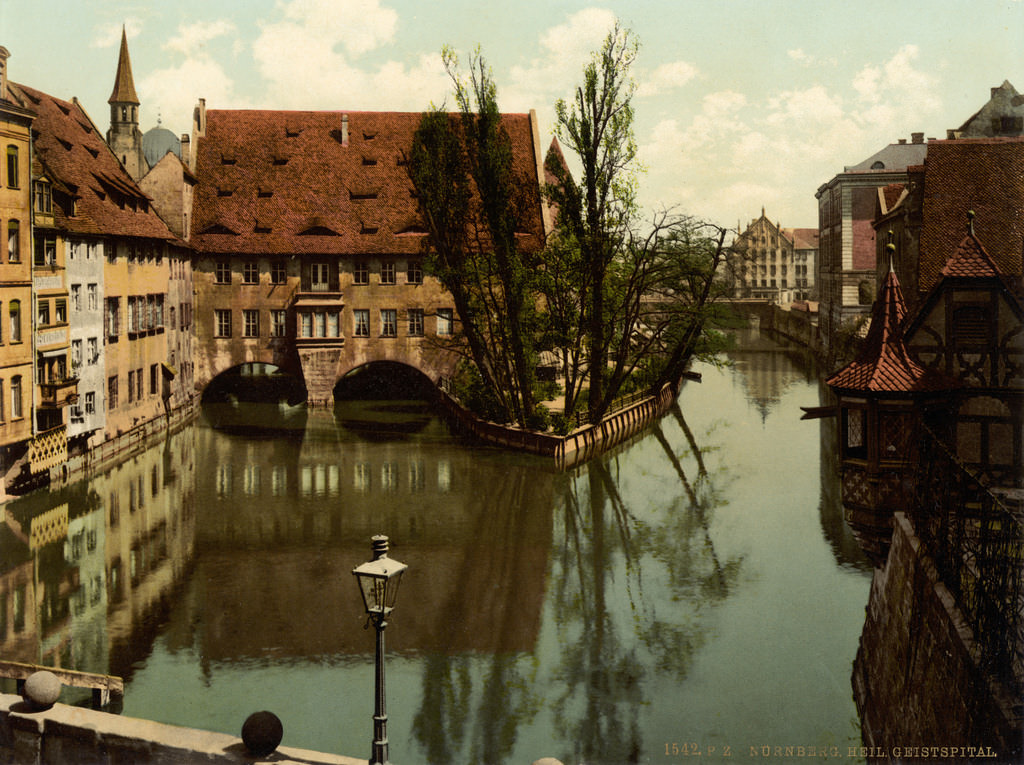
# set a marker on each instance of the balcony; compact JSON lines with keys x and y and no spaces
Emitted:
{"x":59,"y":393}
{"x":48,"y":449}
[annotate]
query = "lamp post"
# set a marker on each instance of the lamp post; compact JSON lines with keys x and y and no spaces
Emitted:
{"x":378,"y":583}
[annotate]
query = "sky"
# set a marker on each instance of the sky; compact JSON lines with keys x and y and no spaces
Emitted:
{"x":739,"y":104}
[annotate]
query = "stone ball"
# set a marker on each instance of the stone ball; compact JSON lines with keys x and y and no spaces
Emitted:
{"x":261,"y":733}
{"x":42,"y":689}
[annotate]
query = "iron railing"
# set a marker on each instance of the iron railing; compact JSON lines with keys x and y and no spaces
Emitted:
{"x":974,"y":536}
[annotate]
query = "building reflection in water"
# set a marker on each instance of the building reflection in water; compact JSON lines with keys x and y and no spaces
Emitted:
{"x":303,"y":511}
{"x":87,"y":571}
{"x":545,"y":613}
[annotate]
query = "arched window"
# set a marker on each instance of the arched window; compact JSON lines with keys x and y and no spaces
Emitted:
{"x":878,"y":166}
{"x":13,"y":242}
{"x":12,"y":167}
{"x":124,"y":114}
{"x":15,"y":313}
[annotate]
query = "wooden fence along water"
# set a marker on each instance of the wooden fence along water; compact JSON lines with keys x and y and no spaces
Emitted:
{"x":581,"y":444}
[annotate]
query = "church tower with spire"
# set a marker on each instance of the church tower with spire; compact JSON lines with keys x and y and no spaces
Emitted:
{"x":124,"y":137}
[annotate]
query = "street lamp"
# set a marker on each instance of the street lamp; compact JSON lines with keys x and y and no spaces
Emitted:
{"x":378,"y":583}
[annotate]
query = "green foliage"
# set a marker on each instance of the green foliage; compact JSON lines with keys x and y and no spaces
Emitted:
{"x":539,"y":419}
{"x":473,"y":203}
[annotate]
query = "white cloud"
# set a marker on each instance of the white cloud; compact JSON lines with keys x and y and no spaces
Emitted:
{"x":359,"y":26}
{"x":109,"y":35}
{"x":565,"y":51}
{"x":666,"y":77}
{"x":192,"y":38}
{"x":328,"y":74}
{"x":172,"y":93}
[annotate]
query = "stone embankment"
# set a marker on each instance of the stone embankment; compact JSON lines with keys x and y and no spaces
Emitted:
{"x":65,"y":734}
{"x":916,"y":679}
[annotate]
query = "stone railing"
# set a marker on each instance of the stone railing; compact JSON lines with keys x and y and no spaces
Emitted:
{"x":63,"y":734}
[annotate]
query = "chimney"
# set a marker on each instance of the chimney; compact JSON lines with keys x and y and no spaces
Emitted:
{"x":199,"y":119}
{"x":917,"y":137}
{"x":4,"y":55}
{"x":344,"y":130}
{"x":186,"y":148}
{"x":903,"y":141}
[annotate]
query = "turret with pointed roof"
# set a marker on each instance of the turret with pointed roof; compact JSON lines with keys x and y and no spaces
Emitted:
{"x":124,"y":136}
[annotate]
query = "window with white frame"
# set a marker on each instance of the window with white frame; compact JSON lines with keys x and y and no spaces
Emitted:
{"x":388,"y":322}
{"x":415,"y":322}
{"x":250,"y":322}
{"x":444,"y":321}
{"x":222,"y":272}
{"x":278,"y":323}
{"x":361,"y":317}
{"x":222,"y":322}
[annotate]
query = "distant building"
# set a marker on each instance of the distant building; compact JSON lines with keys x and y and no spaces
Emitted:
{"x":1003,"y":115}
{"x":846,"y":248}
{"x":774,"y":263}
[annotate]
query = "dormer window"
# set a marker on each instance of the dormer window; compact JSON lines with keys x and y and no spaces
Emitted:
{"x":44,"y":197}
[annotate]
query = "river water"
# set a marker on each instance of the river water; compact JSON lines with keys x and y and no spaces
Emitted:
{"x":696,"y":591}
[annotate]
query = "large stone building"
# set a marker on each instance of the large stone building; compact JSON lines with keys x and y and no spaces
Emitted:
{"x":846,"y":248}
{"x":309,"y":247}
{"x":774,"y":263}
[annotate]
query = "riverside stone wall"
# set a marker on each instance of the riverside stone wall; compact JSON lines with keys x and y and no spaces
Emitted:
{"x":916,"y":678}
{"x":66,"y":735}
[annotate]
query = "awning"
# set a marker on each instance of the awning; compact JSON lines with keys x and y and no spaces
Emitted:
{"x":169,"y":372}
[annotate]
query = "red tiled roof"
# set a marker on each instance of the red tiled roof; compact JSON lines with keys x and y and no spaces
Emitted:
{"x":75,"y":156}
{"x":883,"y":364}
{"x":971,"y":261}
{"x":985,"y":175}
{"x":892,"y":194}
{"x":803,"y":238}
{"x":291,"y":183}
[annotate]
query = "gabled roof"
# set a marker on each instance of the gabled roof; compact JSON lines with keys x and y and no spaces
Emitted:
{"x":803,"y":238}
{"x":883,"y":364}
{"x":73,"y":154}
{"x":320,"y":182}
{"x":124,"y":83}
{"x":970,"y":261}
{"x":985,"y":175}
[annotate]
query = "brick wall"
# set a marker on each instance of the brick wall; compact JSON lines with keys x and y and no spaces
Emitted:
{"x":915,"y":678}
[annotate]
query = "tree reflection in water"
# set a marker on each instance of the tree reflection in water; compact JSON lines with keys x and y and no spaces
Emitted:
{"x":604,"y":662}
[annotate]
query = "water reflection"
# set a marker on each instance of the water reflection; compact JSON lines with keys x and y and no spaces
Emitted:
{"x":88,"y":570}
{"x":673,"y":588}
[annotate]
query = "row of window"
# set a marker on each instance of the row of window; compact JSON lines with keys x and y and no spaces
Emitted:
{"x":145,"y":314}
{"x":327,"y":322}
{"x":136,"y":385}
{"x":319,"y":273}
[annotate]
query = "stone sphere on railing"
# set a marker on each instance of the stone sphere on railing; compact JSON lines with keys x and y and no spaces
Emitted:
{"x":42,"y":689}
{"x":261,"y":733}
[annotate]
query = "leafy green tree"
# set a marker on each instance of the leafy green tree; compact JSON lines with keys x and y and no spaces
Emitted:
{"x":644,"y":290}
{"x":473,"y":202}
{"x":599,"y":211}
